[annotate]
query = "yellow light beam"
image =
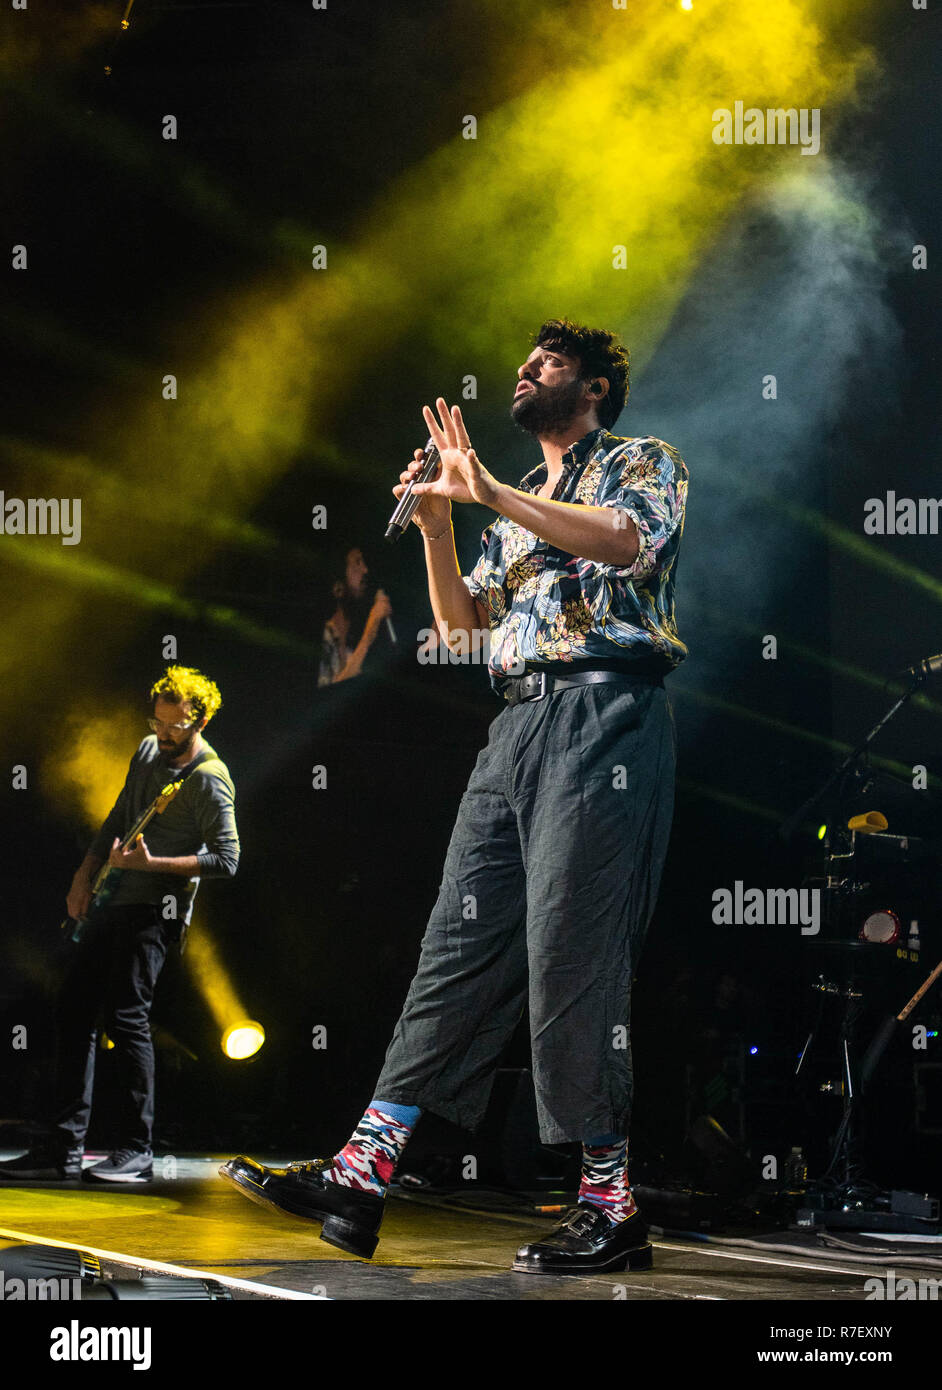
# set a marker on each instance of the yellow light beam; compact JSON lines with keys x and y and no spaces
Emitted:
{"x":87,"y":572}
{"x":863,"y":550}
{"x":56,"y":473}
{"x":781,"y":726}
{"x":203,"y":962}
{"x":893,"y":687}
{"x":608,"y":145}
{"x":736,"y":803}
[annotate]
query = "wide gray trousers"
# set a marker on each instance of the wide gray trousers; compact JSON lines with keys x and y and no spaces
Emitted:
{"x":549,"y":883}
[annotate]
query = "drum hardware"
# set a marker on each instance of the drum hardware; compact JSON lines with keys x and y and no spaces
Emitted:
{"x":843,"y":1196}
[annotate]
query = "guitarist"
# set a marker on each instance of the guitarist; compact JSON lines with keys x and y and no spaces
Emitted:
{"x":124,"y":933}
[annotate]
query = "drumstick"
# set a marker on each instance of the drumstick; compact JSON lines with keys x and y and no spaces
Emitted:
{"x":919,"y":993}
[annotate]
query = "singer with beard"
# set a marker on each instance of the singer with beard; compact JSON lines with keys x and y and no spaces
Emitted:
{"x":114,"y":966}
{"x":555,"y":860}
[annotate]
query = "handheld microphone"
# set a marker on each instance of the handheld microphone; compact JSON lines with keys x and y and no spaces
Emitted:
{"x":408,"y":502}
{"x":932,"y":666}
{"x":387,"y":622}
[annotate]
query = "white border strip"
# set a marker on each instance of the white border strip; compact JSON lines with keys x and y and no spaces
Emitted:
{"x":754,"y":1259}
{"x":140,"y":1262}
{"x":297,"y":1296}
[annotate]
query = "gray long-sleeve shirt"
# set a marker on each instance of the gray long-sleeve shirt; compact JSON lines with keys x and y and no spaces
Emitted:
{"x":199,"y":820}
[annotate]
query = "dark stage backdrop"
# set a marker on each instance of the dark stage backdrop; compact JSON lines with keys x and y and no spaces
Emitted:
{"x":240,"y":263}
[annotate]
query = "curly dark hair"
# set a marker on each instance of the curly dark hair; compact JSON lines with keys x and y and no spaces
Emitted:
{"x":599,"y":353}
{"x":181,"y":683}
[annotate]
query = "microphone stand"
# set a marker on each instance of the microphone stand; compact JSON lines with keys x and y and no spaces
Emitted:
{"x":788,"y":827}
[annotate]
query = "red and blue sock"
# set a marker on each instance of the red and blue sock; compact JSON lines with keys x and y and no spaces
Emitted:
{"x":605,"y":1176}
{"x":368,"y":1159}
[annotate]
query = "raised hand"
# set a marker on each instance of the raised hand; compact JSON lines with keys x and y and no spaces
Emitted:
{"x":380,"y":609}
{"x":462,"y":477}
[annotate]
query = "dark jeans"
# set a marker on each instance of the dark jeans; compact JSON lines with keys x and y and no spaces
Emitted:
{"x":111,"y":976}
{"x":549,"y":883}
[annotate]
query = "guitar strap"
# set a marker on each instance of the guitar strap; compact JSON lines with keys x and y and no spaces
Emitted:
{"x":200,"y":758}
{"x":205,"y":756}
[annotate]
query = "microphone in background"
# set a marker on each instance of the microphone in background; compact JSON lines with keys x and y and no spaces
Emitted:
{"x":923,"y":670}
{"x":408,"y":502}
{"x":375,"y":587}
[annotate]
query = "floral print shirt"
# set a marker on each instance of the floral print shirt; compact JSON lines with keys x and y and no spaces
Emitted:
{"x":333,"y":656}
{"x":546,"y":607}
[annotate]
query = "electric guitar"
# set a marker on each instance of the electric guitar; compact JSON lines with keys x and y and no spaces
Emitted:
{"x":106,"y":880}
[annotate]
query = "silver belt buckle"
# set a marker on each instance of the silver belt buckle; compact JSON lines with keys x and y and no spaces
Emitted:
{"x":542,"y":694}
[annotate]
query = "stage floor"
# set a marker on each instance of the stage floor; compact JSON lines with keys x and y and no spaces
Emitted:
{"x":431,"y":1248}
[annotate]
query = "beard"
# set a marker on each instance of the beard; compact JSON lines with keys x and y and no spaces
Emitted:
{"x":547,"y":410}
{"x":170,"y":750}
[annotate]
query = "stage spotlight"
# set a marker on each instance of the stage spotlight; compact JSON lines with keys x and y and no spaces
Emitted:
{"x":243,"y":1039}
{"x":686,"y":4}
{"x":163,"y":1288}
{"x":822,"y":831}
{"x":46,"y":1272}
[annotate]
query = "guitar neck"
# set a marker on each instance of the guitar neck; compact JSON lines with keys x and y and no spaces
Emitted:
{"x":143,"y":820}
{"x":140,"y":824}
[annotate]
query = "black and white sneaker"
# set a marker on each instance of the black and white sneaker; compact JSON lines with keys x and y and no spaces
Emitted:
{"x":123,"y":1165}
{"x":43,"y":1164}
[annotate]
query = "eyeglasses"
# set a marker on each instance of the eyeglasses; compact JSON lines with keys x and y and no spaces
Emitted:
{"x":157,"y":724}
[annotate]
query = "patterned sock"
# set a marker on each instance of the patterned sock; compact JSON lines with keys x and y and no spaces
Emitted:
{"x":605,"y":1176}
{"x":368,"y":1159}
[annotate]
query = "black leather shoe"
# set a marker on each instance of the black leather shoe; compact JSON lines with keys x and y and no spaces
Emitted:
{"x":586,"y":1240}
{"x":349,"y":1218}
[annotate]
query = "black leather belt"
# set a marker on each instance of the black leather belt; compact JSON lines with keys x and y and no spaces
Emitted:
{"x":535,"y":685}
